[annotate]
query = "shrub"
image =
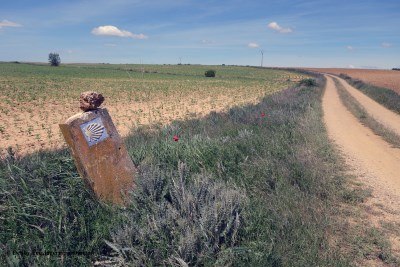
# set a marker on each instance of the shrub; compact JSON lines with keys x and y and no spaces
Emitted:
{"x":344,"y":76}
{"x":178,"y":219}
{"x":210,"y":73}
{"x":308,"y":82}
{"x":54,"y":59}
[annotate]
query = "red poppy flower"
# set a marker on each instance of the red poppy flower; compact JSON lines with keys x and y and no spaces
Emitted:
{"x":262,"y":114}
{"x":176,"y":138}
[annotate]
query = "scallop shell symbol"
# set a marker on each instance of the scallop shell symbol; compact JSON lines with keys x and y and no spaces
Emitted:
{"x":94,"y":131}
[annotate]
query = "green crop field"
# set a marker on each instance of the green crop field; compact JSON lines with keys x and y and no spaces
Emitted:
{"x":34,"y":98}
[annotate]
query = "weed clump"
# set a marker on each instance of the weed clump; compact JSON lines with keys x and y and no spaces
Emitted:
{"x":178,"y":218}
{"x":308,"y":82}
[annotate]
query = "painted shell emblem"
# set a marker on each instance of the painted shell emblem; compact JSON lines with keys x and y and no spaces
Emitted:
{"x":94,"y":131}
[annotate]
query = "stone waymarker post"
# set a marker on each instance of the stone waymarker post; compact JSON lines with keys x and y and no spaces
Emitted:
{"x":99,"y":152}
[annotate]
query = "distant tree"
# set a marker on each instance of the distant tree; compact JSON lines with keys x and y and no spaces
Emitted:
{"x":54,"y":59}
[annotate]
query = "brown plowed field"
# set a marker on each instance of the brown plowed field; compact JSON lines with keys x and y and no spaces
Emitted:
{"x":383,"y":78}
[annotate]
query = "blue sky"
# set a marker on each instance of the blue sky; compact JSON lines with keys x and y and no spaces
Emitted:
{"x":291,"y":33}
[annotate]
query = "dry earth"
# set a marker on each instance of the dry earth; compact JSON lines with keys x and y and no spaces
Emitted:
{"x":373,"y":161}
{"x":383,"y":78}
{"x":36,"y":125}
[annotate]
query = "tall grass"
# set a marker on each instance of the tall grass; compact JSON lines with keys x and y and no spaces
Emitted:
{"x":256,"y":186}
{"x":179,"y":218}
{"x":48,"y":217}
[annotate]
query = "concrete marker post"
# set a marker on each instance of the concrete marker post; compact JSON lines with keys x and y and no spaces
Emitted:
{"x":98,"y":150}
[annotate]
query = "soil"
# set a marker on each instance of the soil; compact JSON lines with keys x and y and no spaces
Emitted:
{"x":36,"y":127}
{"x":372,"y":160}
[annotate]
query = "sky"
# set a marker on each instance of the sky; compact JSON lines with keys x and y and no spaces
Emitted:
{"x":297,"y":33}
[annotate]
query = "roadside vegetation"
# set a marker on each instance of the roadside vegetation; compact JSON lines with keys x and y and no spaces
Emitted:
{"x":362,"y":115}
{"x":386,"y":97}
{"x":269,"y":151}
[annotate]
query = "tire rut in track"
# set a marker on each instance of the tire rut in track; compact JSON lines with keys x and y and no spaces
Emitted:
{"x":388,"y":118}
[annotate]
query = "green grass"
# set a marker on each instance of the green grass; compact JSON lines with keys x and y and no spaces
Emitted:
{"x":274,"y":179}
{"x":386,"y":97}
{"x":47,"y":214}
{"x":135,"y":70}
{"x":366,"y":119}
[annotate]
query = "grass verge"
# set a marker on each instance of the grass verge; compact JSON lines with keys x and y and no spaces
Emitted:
{"x":386,"y":97}
{"x":362,"y":115}
{"x":256,"y":186}
{"x":48,"y":217}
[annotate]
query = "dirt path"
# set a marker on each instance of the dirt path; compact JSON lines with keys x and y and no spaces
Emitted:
{"x":373,"y":161}
{"x":387,"y":117}
{"x":359,"y":142}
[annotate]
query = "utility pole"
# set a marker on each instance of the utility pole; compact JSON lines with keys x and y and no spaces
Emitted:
{"x":262,"y":57}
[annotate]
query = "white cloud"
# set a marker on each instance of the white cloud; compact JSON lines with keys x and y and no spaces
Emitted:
{"x":253,"y":45}
{"x":386,"y":45}
{"x":276,"y":27}
{"x":349,"y":48}
{"x":7,"y":23}
{"x":351,"y":66}
{"x":110,"y":30}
